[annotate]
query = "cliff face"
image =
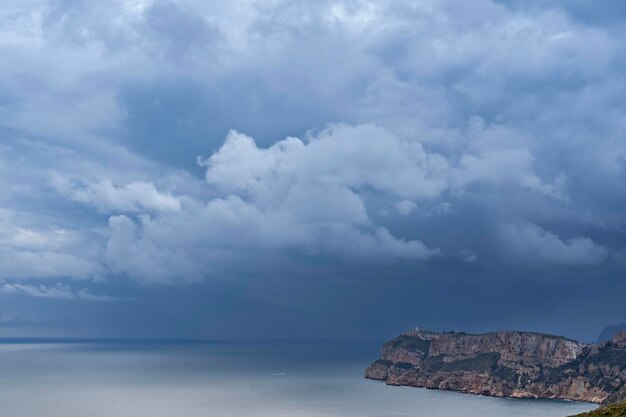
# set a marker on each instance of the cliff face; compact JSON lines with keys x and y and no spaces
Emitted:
{"x":504,"y":364}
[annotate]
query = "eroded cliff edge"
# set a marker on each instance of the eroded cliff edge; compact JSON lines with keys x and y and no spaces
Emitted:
{"x":504,"y":364}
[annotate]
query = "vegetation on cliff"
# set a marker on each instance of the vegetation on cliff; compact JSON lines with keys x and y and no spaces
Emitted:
{"x":616,"y":410}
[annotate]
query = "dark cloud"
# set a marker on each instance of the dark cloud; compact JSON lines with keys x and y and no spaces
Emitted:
{"x":587,"y":11}
{"x":441,"y":163}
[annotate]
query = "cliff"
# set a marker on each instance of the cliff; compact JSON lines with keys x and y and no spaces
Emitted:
{"x":504,"y":364}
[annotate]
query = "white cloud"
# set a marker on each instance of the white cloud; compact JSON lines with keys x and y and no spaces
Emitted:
{"x":530,"y":243}
{"x":311,"y":195}
{"x":503,"y":167}
{"x":405,"y":207}
{"x":54,"y":291}
{"x":341,"y":156}
{"x":295,"y":194}
{"x":44,"y":251}
{"x":136,"y":196}
{"x":323,"y":181}
{"x":46,"y":264}
{"x":149,"y":260}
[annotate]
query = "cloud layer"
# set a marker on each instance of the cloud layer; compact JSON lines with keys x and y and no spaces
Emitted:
{"x":151,"y":142}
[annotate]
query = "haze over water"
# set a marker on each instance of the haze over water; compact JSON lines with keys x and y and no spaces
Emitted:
{"x":251,"y":379}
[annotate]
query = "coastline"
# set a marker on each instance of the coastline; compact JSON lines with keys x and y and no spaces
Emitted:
{"x":510,"y":364}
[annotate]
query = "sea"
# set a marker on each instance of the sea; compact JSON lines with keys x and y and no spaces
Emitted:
{"x":87,"y":378}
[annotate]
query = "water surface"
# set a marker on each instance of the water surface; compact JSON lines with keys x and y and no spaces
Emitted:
{"x":247,"y":379}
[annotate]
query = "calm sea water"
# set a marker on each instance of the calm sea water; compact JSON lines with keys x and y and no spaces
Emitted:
{"x":291,"y":379}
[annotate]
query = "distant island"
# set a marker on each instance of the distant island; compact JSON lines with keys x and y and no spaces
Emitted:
{"x":506,"y":364}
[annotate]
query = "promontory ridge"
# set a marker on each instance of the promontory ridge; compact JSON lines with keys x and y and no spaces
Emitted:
{"x":506,"y":364}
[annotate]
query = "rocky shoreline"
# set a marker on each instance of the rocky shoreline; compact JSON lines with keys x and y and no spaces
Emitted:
{"x":505,"y":364}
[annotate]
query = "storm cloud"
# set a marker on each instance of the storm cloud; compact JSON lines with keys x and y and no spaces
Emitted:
{"x":264,"y":150}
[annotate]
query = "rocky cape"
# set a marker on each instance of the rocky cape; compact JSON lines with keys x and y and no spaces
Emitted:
{"x":506,"y":364}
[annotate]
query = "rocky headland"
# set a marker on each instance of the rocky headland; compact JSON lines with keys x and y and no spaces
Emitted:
{"x":506,"y":364}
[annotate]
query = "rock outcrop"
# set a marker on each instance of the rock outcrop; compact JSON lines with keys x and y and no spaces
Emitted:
{"x":504,"y":364}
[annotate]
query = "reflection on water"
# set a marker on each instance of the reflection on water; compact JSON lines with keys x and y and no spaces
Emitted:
{"x":250,"y":379}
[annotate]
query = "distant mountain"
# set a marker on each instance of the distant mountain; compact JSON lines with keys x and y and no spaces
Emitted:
{"x":610,"y":331}
{"x":505,"y":364}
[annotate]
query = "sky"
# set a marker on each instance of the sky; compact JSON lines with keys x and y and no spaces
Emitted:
{"x":311,"y":169}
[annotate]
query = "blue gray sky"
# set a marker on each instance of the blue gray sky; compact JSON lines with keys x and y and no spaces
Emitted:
{"x":311,"y":169}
